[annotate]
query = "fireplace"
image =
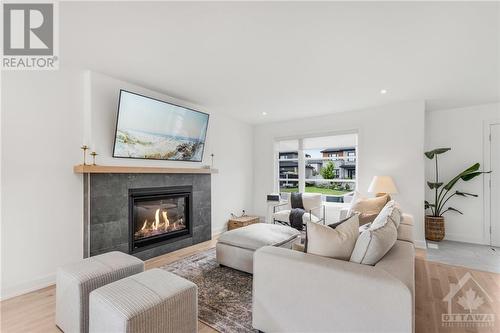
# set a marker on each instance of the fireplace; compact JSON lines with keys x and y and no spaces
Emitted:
{"x":158,"y":215}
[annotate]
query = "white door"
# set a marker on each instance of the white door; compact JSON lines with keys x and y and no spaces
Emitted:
{"x":495,"y":184}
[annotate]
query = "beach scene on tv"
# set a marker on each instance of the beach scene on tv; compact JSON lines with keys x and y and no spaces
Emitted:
{"x":152,"y":129}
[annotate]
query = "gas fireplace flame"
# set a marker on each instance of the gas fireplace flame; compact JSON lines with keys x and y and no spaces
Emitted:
{"x":161,"y":223}
{"x":165,"y":219}
{"x":156,"y":224}
{"x":157,"y":220}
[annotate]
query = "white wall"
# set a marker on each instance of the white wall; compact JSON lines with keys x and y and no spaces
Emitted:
{"x":390,"y":142}
{"x":43,"y":117}
{"x":462,"y":131}
{"x":41,"y":197}
{"x":231,"y":142}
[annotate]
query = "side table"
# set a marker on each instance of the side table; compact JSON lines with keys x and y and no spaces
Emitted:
{"x":242,"y":221}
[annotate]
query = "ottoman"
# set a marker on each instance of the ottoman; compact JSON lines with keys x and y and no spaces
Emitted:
{"x":235,"y":248}
{"x":74,"y":282}
{"x":152,"y":301}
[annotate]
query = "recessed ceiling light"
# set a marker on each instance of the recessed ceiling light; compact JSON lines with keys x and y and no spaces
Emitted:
{"x":264,"y":113}
{"x":383,"y":91}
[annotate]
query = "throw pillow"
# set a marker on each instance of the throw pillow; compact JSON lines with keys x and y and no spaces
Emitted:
{"x":367,"y":208}
{"x":391,"y":212}
{"x":374,"y":242}
{"x":335,"y":243}
{"x":336,"y":224}
{"x":296,"y":200}
{"x":364,"y":227}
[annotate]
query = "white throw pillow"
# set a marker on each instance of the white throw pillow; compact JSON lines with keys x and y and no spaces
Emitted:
{"x":390,"y":213}
{"x":364,"y":227}
{"x":374,"y":242}
{"x":335,"y":243}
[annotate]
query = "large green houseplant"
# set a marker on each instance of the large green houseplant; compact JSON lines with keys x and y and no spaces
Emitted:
{"x":434,"y":222}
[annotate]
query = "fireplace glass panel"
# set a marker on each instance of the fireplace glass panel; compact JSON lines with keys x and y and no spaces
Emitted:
{"x":155,"y":217}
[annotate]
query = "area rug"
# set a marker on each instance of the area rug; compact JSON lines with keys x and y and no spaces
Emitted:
{"x":224,"y":294}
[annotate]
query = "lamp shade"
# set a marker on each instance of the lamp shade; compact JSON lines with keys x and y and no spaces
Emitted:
{"x":382,"y":184}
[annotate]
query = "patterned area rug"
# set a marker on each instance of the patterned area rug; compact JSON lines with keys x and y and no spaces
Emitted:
{"x":224,"y":294}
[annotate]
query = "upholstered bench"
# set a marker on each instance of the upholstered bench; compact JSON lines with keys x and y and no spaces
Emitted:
{"x":152,"y":301}
{"x":235,"y":248}
{"x":76,"y":281}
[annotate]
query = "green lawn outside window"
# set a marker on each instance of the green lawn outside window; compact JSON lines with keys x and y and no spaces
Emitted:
{"x":315,"y":189}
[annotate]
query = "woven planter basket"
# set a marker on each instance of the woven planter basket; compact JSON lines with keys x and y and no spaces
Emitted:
{"x":434,"y":228}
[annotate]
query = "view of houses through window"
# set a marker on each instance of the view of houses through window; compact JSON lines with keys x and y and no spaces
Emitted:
{"x":325,"y":165}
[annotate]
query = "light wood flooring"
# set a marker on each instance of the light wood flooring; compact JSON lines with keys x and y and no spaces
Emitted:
{"x":34,"y":312}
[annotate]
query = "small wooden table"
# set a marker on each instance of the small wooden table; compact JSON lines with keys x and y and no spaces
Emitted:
{"x":242,"y":221}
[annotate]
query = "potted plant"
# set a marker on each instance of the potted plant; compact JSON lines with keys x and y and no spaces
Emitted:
{"x":434,"y":222}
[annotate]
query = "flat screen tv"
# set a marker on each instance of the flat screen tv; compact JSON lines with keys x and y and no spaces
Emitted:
{"x":148,"y":128}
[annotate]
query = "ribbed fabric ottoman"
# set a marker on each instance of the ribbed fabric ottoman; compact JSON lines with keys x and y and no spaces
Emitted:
{"x":76,"y":281}
{"x":153,"y":301}
{"x":235,"y":248}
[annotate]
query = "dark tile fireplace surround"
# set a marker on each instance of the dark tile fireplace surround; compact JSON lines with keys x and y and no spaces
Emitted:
{"x":146,"y":215}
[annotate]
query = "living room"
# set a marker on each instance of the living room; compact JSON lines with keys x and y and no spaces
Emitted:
{"x":258,"y":100}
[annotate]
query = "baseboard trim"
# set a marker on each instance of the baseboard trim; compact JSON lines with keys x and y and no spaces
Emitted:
{"x":461,"y":238}
{"x":27,"y":287}
{"x":218,"y":232}
{"x":420,"y":244}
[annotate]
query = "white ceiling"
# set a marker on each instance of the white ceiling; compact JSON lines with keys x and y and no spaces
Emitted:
{"x":292,"y":59}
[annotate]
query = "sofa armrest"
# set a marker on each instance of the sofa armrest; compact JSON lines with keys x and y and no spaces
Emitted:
{"x":407,"y":219}
{"x":319,"y":212}
{"x":405,"y":230}
{"x":278,"y":207}
{"x":300,"y":292}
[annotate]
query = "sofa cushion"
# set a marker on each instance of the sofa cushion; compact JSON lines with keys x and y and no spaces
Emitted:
{"x":258,"y":235}
{"x":378,"y":239}
{"x":335,"y":243}
{"x":367,"y":208}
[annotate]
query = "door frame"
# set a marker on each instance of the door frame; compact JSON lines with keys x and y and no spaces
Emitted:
{"x":487,"y":178}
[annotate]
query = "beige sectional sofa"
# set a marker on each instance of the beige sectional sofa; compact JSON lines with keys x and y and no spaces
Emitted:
{"x":299,"y":292}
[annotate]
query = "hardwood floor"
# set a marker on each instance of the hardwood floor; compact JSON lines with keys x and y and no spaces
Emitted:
{"x":34,"y":312}
{"x":432,"y":283}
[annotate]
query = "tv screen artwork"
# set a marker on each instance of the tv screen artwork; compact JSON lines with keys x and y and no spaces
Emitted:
{"x":152,"y":129}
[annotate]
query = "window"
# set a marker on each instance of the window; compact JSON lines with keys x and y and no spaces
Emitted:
{"x":325,"y":165}
{"x":288,"y":161}
{"x":351,"y":153}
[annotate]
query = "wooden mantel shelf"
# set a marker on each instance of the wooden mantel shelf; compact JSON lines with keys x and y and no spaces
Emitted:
{"x":126,"y":169}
